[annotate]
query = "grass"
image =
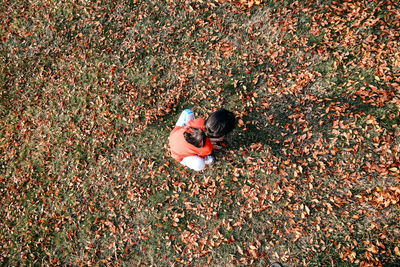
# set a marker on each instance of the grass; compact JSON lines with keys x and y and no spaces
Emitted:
{"x":90,"y":92}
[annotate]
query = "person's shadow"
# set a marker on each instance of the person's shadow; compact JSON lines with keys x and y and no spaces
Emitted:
{"x":289,"y":125}
{"x":266,"y":128}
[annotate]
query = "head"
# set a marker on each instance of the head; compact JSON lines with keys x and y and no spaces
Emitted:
{"x":195,"y":136}
{"x":220,"y":123}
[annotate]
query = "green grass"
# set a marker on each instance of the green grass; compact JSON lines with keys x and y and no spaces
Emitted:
{"x":91,"y":91}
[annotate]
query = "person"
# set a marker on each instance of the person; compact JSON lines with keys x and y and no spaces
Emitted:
{"x":218,"y":125}
{"x":189,"y":144}
{"x":215,"y":127}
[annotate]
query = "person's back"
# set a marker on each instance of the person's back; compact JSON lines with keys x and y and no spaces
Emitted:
{"x":185,"y":141}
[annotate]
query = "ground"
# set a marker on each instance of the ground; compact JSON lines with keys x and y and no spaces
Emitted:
{"x":91,"y":90}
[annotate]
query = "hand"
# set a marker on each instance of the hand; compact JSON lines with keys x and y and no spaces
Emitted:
{"x":215,"y":140}
{"x":216,"y":146}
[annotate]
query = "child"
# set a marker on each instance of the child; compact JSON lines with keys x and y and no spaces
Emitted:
{"x":183,"y":137}
{"x":189,"y":144}
{"x":218,"y":125}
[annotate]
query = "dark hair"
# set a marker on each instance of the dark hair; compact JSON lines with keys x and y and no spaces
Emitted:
{"x":195,"y":136}
{"x":220,"y":123}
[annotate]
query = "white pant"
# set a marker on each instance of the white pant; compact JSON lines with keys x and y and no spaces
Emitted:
{"x":186,"y":116}
{"x":196,"y":163}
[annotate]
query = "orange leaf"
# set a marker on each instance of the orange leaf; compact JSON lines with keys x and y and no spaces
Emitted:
{"x":239,"y":250}
{"x":373,"y":249}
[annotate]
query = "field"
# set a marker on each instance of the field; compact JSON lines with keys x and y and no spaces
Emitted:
{"x":90,"y":91}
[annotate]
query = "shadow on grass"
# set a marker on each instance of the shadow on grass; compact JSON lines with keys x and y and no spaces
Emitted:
{"x":292,"y":118}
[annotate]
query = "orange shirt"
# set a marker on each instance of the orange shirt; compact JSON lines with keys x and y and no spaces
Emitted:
{"x":180,"y":148}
